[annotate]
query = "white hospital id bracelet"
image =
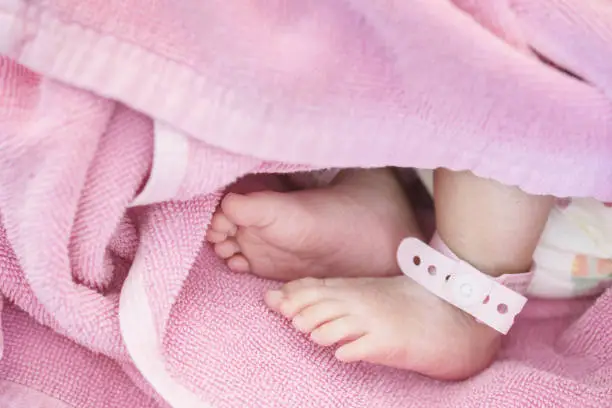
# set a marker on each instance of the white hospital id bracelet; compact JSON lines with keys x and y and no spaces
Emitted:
{"x":492,"y":301}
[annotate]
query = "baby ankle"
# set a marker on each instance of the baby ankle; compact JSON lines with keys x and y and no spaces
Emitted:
{"x":486,"y":254}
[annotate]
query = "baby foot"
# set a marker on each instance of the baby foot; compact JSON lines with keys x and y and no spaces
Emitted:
{"x":390,"y":321}
{"x":351,"y":228}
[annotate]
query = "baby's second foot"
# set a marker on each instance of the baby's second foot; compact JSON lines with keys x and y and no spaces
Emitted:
{"x":351,"y":228}
{"x":390,"y":321}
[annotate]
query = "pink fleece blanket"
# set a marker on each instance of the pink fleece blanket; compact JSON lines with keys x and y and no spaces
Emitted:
{"x":121,"y":123}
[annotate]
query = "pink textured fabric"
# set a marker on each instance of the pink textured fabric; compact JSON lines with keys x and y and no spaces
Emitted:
{"x":17,"y":396}
{"x":466,"y":77}
{"x":42,"y":367}
{"x":122,"y":122}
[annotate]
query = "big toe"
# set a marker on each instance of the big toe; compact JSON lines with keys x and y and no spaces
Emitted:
{"x":220,"y":223}
{"x":251,"y":210}
{"x":293,"y":297}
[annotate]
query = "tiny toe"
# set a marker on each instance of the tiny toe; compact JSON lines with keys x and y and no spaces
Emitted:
{"x":358,"y":350}
{"x":221,"y":223}
{"x":215,"y":237}
{"x":335,"y":283}
{"x":301,"y":284}
{"x":238,"y":263}
{"x":227,"y":248}
{"x":253,"y":210}
{"x":291,"y":302}
{"x":318,"y":314}
{"x":274,"y":299}
{"x":343,"y":329}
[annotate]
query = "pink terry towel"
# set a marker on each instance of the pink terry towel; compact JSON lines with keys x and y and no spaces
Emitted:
{"x":122,"y":122}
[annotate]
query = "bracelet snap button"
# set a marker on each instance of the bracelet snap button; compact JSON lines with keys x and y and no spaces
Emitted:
{"x":469,"y":290}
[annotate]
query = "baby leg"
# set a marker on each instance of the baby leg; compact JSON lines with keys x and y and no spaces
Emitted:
{"x":494,"y":227}
{"x":395,"y":322}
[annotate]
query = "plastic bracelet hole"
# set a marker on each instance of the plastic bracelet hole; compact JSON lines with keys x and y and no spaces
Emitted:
{"x":502,"y":308}
{"x":431,"y":270}
{"x":486,"y":300}
{"x":416,"y":260}
{"x":447,"y":278}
